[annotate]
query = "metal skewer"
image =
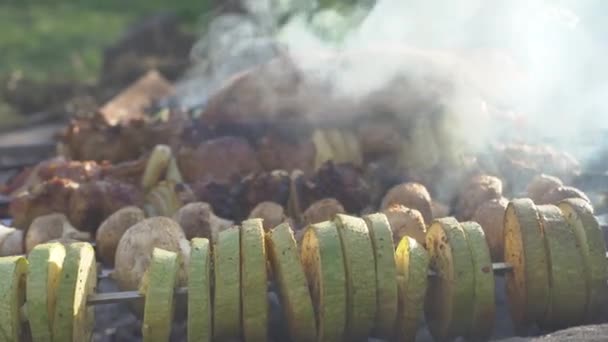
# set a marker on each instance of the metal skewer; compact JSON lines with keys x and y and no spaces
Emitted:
{"x":128,"y":296}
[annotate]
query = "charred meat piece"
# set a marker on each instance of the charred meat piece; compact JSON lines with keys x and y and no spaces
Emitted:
{"x":277,"y":153}
{"x":85,"y":204}
{"x":219,"y":160}
{"x":411,"y":195}
{"x":479,"y":189}
{"x":344,"y":182}
{"x":261,"y":187}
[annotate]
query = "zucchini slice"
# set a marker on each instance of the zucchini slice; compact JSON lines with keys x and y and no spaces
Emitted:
{"x":45,"y":264}
{"x":386,"y":274}
{"x":158,"y":287}
{"x":528,"y":282}
{"x":74,"y":320}
{"x":579,"y":214}
{"x":323,"y":262}
{"x":484,"y":301}
{"x":254,"y":280}
{"x":449,"y":305}
{"x":567,"y":285}
{"x":360,"y":271}
{"x":199,"y":292}
{"x":293,"y":289}
{"x":13,"y":272}
{"x":412,"y":269}
{"x":227,"y":291}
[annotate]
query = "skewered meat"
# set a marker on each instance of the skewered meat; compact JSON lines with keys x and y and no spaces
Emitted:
{"x":322,"y":210}
{"x":344,"y":182}
{"x":479,"y":189}
{"x":260,"y":187}
{"x":220,"y":160}
{"x":86,"y":204}
{"x":540,"y":185}
{"x":411,"y":195}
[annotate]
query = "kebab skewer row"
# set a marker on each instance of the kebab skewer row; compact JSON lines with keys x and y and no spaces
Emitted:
{"x":458,"y":310}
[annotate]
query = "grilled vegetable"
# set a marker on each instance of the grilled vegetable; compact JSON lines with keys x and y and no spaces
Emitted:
{"x":323,"y":262}
{"x":253,"y":281}
{"x":199,"y":291}
{"x":158,"y":286}
{"x":449,"y":305}
{"x":293,"y":289}
{"x":45,"y":264}
{"x":484,"y":304}
{"x":568,"y":290}
{"x":386,"y":274}
{"x":12,"y":296}
{"x":74,"y":320}
{"x":528,"y":283}
{"x":227,"y":296}
{"x":412,"y":266}
{"x":579,"y":214}
{"x":360,"y":276}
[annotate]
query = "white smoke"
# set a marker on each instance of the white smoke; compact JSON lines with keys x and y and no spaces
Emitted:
{"x":539,"y":60}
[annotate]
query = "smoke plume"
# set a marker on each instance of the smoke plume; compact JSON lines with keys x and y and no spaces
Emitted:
{"x":501,"y":69}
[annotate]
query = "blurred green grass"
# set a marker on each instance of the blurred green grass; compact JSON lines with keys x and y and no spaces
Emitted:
{"x":43,"y":39}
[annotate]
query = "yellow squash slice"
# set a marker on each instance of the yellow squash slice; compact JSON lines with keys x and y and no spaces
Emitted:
{"x":199,"y":292}
{"x":45,"y":264}
{"x":412,"y":269}
{"x":158,"y":286}
{"x":74,"y":320}
{"x":386,"y":274}
{"x":449,"y":305}
{"x":323,"y":262}
{"x":567,"y":285}
{"x":360,"y":269}
{"x":13,"y":271}
{"x":227,"y":291}
{"x":293,"y":289}
{"x":254,"y":281}
{"x":579,"y":214}
{"x":484,"y":301}
{"x":528,"y":282}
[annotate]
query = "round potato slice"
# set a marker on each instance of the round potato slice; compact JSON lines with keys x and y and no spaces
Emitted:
{"x":199,"y":292}
{"x":484,"y":304}
{"x":254,"y":281}
{"x":360,"y":276}
{"x":449,"y":305}
{"x":412,"y":269}
{"x":227,"y":293}
{"x":567,"y":286}
{"x":13,"y":272}
{"x":293,"y":289}
{"x":74,"y":320}
{"x":158,"y":287}
{"x":579,"y":214}
{"x":386,"y":274}
{"x":528,"y":282}
{"x":45,"y":264}
{"x":323,"y":263}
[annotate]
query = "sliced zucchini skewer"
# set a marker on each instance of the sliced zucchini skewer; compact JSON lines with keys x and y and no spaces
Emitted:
{"x":13,"y":272}
{"x":46,"y":263}
{"x":74,"y":320}
{"x":293,"y":289}
{"x":412,"y":268}
{"x":254,"y":280}
{"x":199,"y":292}
{"x":323,"y":263}
{"x":158,"y":287}
{"x":386,"y":274}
